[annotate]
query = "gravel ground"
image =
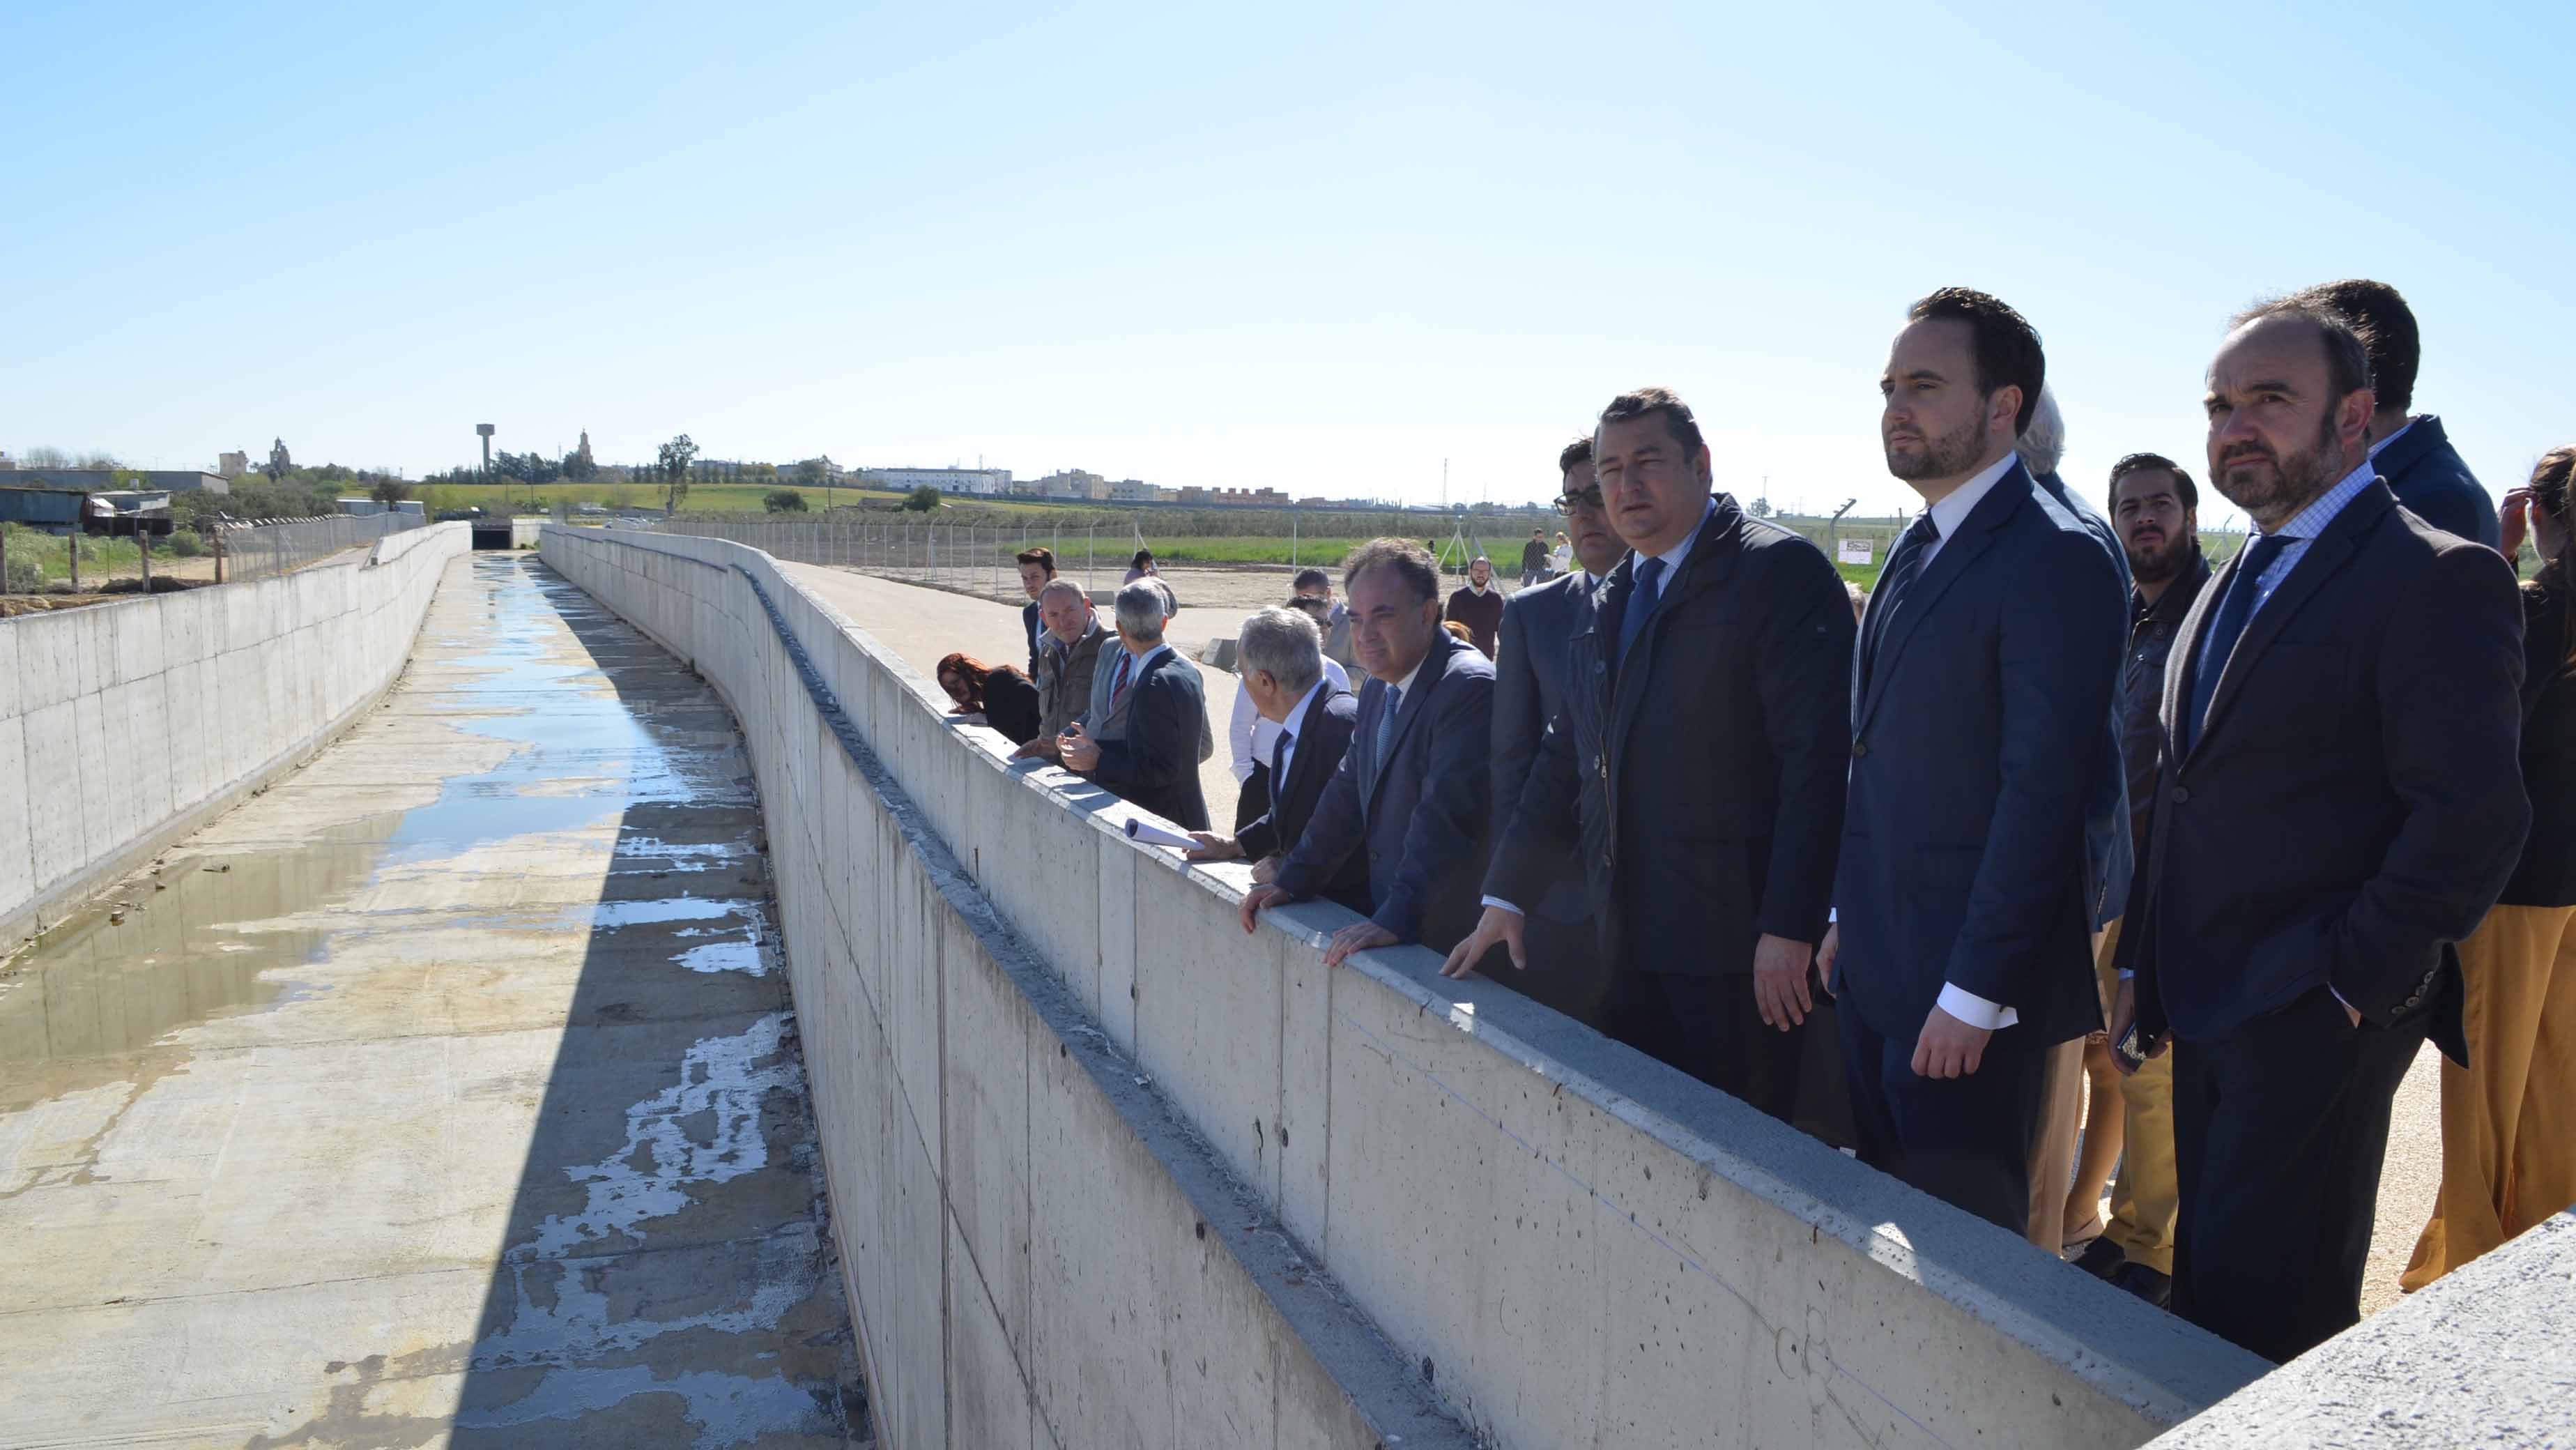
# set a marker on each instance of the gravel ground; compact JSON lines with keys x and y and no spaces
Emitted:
{"x":923,"y":624}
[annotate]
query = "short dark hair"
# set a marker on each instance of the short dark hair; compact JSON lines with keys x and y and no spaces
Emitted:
{"x":1310,"y":576}
{"x":1143,"y":558}
{"x":1578,"y":451}
{"x":2001,"y":342}
{"x":1644,"y":402}
{"x":2347,"y":360}
{"x":1041,"y":556}
{"x":1410,"y":561}
{"x":2379,"y":313}
{"x":2184,"y":489}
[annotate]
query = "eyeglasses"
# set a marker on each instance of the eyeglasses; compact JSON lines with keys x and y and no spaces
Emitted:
{"x":1590,"y":498}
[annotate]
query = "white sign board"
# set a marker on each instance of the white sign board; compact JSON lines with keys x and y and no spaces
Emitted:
{"x":1853,"y":551}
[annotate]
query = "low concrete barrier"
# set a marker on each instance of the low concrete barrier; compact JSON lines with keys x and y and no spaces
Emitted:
{"x":125,"y":726}
{"x":1043,"y":1054}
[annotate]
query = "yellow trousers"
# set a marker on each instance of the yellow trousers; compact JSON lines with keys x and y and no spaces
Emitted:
{"x":2505,"y":1164}
{"x":2145,"y":1196}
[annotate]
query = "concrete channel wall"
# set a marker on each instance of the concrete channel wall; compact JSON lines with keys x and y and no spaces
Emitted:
{"x":125,"y":726}
{"x":1109,"y":1171}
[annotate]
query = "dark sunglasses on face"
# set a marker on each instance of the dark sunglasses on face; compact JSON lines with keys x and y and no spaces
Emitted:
{"x":1590,"y":498}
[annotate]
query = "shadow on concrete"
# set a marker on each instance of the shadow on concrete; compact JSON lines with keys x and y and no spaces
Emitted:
{"x":667,"y":1275}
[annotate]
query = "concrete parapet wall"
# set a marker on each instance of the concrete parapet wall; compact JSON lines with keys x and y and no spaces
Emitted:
{"x":1041,"y":1051}
{"x":124,"y":726}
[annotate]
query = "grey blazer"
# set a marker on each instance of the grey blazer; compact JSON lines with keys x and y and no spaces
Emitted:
{"x":1101,"y":722}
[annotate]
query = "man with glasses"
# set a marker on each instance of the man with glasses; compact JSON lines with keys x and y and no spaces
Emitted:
{"x":1530,"y":685}
{"x":1703,"y":731}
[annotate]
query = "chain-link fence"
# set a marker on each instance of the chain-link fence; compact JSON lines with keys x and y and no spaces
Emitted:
{"x":968,"y":558}
{"x":259,"y":551}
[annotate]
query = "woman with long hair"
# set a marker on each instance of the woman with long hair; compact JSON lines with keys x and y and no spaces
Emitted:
{"x":2507,"y":1159}
{"x":995,"y":695}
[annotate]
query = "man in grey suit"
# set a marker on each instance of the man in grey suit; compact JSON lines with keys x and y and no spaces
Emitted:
{"x":1106,"y":717}
{"x":1161,"y":704}
{"x":1411,"y":792}
{"x":1529,"y":692}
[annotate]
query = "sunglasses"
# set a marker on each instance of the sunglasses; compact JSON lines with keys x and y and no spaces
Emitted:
{"x":1590,"y":498}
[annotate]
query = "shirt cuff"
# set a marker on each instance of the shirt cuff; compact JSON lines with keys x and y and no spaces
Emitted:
{"x":2338,"y":996}
{"x":2128,"y":974}
{"x":1974,"y":1010}
{"x":1505,"y":905}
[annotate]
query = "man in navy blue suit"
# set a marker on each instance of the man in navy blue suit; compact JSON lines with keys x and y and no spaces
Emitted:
{"x":2414,"y":456}
{"x":1981,"y":681}
{"x":1410,"y":795}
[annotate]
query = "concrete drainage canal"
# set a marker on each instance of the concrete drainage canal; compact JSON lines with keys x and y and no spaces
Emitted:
{"x":448,"y":1091}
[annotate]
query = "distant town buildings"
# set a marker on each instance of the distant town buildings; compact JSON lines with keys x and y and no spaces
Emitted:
{"x":986,"y":482}
{"x":232,"y":465}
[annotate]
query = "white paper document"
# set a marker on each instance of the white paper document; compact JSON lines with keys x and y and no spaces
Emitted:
{"x":1153,"y":835}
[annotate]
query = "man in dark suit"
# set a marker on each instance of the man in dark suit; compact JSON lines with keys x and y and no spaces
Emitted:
{"x":1037,"y":571}
{"x":1281,"y":658}
{"x":2340,"y":801}
{"x":1409,"y":796}
{"x":1154,"y":760}
{"x":1707,"y":691}
{"x":2414,"y":456}
{"x":1530,"y":686}
{"x":1981,"y":688}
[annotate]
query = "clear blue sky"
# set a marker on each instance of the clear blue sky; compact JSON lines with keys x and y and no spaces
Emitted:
{"x":1311,"y":246}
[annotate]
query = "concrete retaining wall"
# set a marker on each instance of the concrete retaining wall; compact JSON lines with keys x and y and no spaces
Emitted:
{"x":124,"y":726}
{"x":1042,"y":1052}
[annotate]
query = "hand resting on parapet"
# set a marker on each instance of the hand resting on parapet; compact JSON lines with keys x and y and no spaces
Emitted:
{"x":1498,"y":924}
{"x":1213,"y":847}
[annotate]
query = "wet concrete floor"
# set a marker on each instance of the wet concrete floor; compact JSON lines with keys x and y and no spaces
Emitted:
{"x":447,"y":1092}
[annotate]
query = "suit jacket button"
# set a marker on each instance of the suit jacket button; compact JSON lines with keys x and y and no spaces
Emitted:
{"x":1859,"y":748}
{"x":2181,"y":794}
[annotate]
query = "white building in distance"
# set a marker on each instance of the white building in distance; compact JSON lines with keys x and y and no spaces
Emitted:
{"x":984,"y":481}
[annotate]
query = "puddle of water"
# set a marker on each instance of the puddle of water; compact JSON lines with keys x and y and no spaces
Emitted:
{"x":211,"y":943}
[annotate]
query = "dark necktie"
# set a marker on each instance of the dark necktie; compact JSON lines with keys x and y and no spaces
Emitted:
{"x":1118,"y":684}
{"x":2234,"y":612}
{"x":1641,"y":603}
{"x":1386,"y":722}
{"x":1903,"y":569}
{"x":1279,"y":757}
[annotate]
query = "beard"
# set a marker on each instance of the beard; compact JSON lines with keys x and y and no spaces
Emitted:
{"x":2158,"y":562}
{"x":2271,"y":486}
{"x":1944,"y":456}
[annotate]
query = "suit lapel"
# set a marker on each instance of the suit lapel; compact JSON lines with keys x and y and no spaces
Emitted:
{"x":1712,"y":557}
{"x":2327,"y":555}
{"x":1976,"y":535}
{"x":1301,"y":763}
{"x":1409,"y":709}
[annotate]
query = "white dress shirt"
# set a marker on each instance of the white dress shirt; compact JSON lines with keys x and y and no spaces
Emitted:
{"x":1250,"y":732}
{"x":1953,"y":510}
{"x":1287,"y":749}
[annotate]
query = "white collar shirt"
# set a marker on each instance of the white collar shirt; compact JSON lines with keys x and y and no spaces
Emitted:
{"x":1952,"y":511}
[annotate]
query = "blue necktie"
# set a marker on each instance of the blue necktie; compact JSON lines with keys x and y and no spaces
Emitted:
{"x":1641,"y":604}
{"x":2233,"y":613}
{"x":1279,"y":758}
{"x":1386,"y":722}
{"x":1903,"y":568}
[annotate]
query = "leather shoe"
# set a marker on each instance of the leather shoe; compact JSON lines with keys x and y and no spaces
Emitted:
{"x":2101,"y":1258}
{"x":2148,"y":1284}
